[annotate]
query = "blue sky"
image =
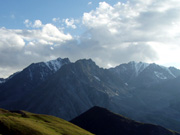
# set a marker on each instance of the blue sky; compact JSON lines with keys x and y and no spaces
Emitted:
{"x":17,"y":12}
{"x":13,"y":13}
{"x":109,"y":32}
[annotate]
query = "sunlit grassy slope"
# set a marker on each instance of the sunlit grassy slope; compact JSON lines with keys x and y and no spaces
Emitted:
{"x":25,"y":123}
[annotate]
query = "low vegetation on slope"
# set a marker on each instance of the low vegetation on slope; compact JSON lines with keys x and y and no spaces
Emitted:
{"x":25,"y":123}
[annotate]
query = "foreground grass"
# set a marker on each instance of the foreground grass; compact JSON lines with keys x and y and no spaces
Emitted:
{"x":25,"y":123}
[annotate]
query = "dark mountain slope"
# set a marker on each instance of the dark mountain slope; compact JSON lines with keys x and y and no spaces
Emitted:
{"x":103,"y":122}
{"x":164,"y":103}
{"x":25,"y":123}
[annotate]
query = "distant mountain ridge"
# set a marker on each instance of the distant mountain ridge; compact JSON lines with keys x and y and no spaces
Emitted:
{"x":65,"y":89}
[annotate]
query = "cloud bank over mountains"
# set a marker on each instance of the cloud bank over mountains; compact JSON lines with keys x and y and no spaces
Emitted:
{"x":112,"y":34}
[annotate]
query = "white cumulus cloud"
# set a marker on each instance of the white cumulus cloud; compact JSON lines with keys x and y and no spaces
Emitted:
{"x":37,"y":24}
{"x":56,"y":19}
{"x":90,"y":3}
{"x":128,"y":31}
{"x":70,"y":23}
{"x":19,"y":48}
{"x":28,"y":23}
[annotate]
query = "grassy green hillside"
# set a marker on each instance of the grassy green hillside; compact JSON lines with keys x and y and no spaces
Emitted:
{"x":25,"y":123}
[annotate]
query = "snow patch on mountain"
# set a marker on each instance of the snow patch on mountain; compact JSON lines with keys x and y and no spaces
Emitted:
{"x":160,"y":75}
{"x":167,"y":69}
{"x":111,"y":93}
{"x":97,"y":78}
{"x":43,"y":75}
{"x":54,"y":64}
{"x":30,"y":74}
{"x":126,"y":84}
{"x":139,"y":67}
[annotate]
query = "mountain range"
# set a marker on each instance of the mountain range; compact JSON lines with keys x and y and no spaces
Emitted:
{"x":141,"y":91}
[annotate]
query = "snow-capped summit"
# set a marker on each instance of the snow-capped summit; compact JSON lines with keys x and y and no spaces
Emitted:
{"x":169,"y":71}
{"x":162,"y":72}
{"x":140,"y":74}
{"x":138,"y":66}
{"x":55,"y":65}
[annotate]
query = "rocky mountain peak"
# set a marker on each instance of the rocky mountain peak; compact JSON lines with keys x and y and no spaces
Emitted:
{"x":56,"y":64}
{"x":86,"y":62}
